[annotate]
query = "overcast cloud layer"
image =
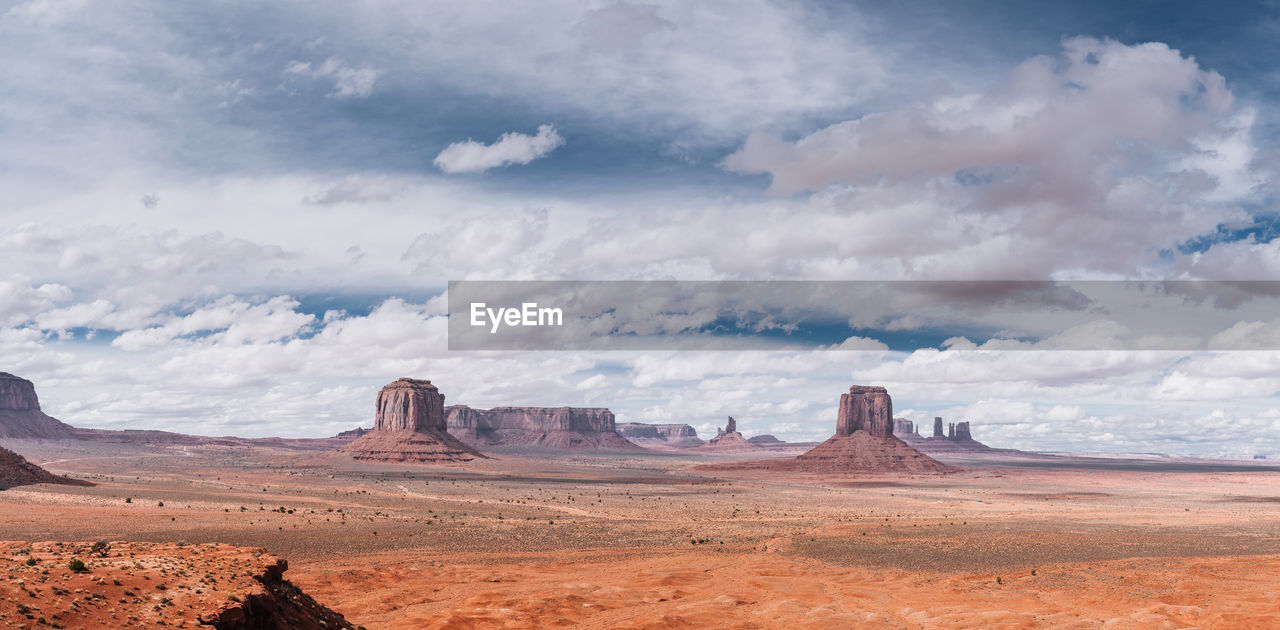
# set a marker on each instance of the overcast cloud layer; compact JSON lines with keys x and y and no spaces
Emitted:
{"x":241,"y":219}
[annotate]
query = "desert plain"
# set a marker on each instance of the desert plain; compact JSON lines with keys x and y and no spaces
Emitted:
{"x":540,"y":539}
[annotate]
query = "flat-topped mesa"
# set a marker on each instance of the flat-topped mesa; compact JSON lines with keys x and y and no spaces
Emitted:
{"x":410,"y":404}
{"x":865,"y":409}
{"x":902,"y":426}
{"x":962,"y":431}
{"x":668,"y":432}
{"x":17,"y":394}
{"x":559,"y":428}
{"x":20,"y":414}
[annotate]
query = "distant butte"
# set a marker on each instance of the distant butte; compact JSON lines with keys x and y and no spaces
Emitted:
{"x":728,"y":440}
{"x":409,"y":427}
{"x":863,"y":443}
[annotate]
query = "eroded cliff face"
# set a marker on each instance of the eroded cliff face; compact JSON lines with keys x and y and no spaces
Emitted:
{"x":864,"y":440}
{"x":865,"y":409}
{"x":410,"y":404}
{"x":409,"y":427}
{"x":20,"y":414}
{"x":666,"y":432}
{"x":548,"y":427}
{"x":17,"y":394}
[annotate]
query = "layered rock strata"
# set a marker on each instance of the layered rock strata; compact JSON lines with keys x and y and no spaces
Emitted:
{"x":409,"y":427}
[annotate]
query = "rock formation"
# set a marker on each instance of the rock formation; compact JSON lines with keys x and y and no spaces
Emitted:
{"x":865,"y":409}
{"x":155,"y":585}
{"x":766,"y":441}
{"x":957,"y":440}
{"x":15,"y":470}
{"x":864,"y":440}
{"x":561,"y":428}
{"x":902,"y":426}
{"x":659,"y":435}
{"x":409,"y":427}
{"x":729,"y":439}
{"x":20,"y":414}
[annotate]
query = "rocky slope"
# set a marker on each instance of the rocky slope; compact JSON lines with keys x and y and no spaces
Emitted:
{"x":148,"y":585}
{"x":409,"y":427}
{"x":15,"y":470}
{"x":559,"y":428}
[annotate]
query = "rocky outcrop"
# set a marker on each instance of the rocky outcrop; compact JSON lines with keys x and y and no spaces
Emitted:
{"x":659,"y":435}
{"x":410,"y":404}
{"x":155,"y":585}
{"x":958,"y":439}
{"x":864,"y":440}
{"x":902,"y":426}
{"x":559,"y":428}
{"x":409,"y":427}
{"x":728,"y":440}
{"x":276,"y":604}
{"x":15,"y":470}
{"x":766,"y":441}
{"x":865,"y":409}
{"x":20,"y":414}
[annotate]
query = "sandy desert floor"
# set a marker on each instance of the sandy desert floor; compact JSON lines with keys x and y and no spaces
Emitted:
{"x":646,"y":541}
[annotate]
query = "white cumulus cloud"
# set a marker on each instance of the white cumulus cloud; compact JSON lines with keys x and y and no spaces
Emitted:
{"x":511,"y":148}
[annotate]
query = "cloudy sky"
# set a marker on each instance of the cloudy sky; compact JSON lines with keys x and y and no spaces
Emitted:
{"x":231,"y":218}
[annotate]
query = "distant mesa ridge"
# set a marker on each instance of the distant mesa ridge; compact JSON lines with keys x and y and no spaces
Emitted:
{"x":659,"y":435}
{"x":558,"y":428}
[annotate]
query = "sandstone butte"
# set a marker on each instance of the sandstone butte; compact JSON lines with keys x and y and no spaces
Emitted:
{"x":409,"y":427}
{"x":863,"y":443}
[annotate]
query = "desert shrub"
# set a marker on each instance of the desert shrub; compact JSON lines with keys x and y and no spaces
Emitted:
{"x":101,"y":548}
{"x":77,"y":565}
{"x":31,"y":562}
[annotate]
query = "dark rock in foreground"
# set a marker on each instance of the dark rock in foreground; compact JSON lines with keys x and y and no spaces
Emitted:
{"x":15,"y":470}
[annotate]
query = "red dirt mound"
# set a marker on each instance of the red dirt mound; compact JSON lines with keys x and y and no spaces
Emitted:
{"x":148,"y":585}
